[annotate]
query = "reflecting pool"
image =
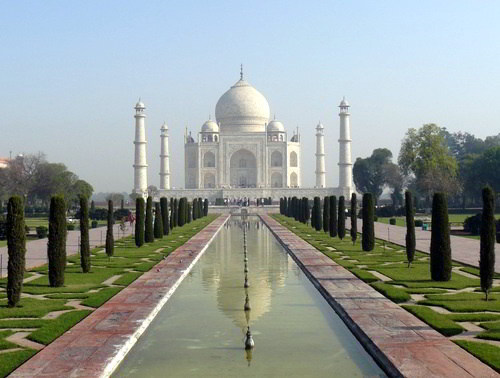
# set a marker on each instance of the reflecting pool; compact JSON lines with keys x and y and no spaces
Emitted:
{"x":201,"y":329}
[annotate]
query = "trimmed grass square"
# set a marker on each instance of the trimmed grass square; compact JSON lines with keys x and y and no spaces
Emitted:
{"x":487,"y":353}
{"x":437,"y":321}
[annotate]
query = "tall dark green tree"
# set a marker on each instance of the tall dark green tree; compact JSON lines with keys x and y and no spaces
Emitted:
{"x":189,"y":212}
{"x":175,"y":209}
{"x":195,"y":209}
{"x":205,"y":207}
{"x":158,"y":225}
{"x":139,"y":221}
{"x":149,"y":236}
{"x":182,"y":209}
{"x":313,"y":216}
{"x":110,"y":241}
{"x":84,"y":235}
{"x":333,"y":216}
{"x":164,"y":214}
{"x":122,"y":204}
{"x":440,"y":239}
{"x":318,"y":225}
{"x":56,"y":246}
{"x":326,"y":214}
{"x":92,"y":207}
{"x":16,"y":248}
{"x":354,"y":218}
{"x":410,"y":228}
{"x":487,"y":245}
{"x":341,"y":218}
{"x":368,"y":238}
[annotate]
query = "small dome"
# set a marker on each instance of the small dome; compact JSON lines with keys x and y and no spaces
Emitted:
{"x":320,"y":126}
{"x":275,"y":126}
{"x":164,"y":127}
{"x":344,"y":102}
{"x":140,"y":105}
{"x":210,"y":127}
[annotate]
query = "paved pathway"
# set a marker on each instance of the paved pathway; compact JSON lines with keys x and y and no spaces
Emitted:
{"x":96,"y":345}
{"x":464,"y":250}
{"x":36,"y":250}
{"x":398,"y":341}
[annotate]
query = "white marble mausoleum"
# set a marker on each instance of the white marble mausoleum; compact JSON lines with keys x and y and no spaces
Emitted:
{"x":243,"y":153}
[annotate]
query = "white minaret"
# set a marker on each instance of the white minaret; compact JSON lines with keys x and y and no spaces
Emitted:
{"x":345,"y":163}
{"x":320,"y":157}
{"x":164,"y":156}
{"x":140,"y":165}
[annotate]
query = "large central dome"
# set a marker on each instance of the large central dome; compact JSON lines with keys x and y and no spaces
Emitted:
{"x":242,"y":109}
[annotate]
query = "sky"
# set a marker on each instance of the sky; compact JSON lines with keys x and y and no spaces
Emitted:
{"x":71,"y":73}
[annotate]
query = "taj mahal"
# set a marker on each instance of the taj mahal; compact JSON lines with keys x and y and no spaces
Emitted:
{"x":243,"y":153}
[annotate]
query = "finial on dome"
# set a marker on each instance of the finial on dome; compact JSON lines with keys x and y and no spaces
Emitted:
{"x":275,"y":116}
{"x":241,"y":71}
{"x":209,"y":117}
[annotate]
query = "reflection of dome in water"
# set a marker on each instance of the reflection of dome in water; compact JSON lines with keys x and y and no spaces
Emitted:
{"x":228,"y":276}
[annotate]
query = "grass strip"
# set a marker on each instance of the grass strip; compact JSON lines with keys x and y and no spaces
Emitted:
{"x":473,"y":317}
{"x":128,"y":278}
{"x":395,"y":294}
{"x":101,"y":297}
{"x":55,"y":328}
{"x":489,"y":354}
{"x":10,"y":361}
{"x":32,"y":308}
{"x":439,"y":322}
{"x":364,"y":275}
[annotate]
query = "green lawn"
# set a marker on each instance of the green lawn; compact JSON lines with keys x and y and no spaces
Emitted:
{"x":487,"y":353}
{"x":390,"y":260}
{"x":127,"y":265}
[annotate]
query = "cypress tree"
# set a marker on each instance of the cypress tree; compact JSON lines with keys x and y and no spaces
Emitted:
{"x":440,"y":240}
{"x":307,"y":213}
{"x":200,"y":208}
{"x":313,"y":216}
{"x":84,"y":235}
{"x":181,"y":221}
{"x":195,"y":209}
{"x":92,"y":208}
{"x":295,"y":208}
{"x":122,"y":204}
{"x":341,"y":219}
{"x":281,"y":206}
{"x":189,"y":212}
{"x":139,"y":221}
{"x":326,"y":214}
{"x":205,"y":207}
{"x":285,"y":204}
{"x":158,"y":226}
{"x":368,"y":239}
{"x":175,"y":209}
{"x":110,"y":242}
{"x":410,"y":228}
{"x":16,"y":248}
{"x":164,"y":214}
{"x":487,"y":245}
{"x":149,"y":236}
{"x":317,"y":214}
{"x":333,"y":216}
{"x":354,"y":218}
{"x":56,"y":246}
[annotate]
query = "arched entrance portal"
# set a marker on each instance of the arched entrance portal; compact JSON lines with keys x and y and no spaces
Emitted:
{"x":243,"y":169}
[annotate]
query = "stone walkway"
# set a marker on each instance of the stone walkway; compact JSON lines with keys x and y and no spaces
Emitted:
{"x":96,"y":345}
{"x":402,"y":344}
{"x":464,"y":250}
{"x":36,"y":250}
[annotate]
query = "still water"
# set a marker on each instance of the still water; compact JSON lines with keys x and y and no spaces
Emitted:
{"x":201,"y":329}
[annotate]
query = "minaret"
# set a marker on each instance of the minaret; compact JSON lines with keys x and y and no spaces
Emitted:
{"x":140,"y":165}
{"x":320,"y":157}
{"x":164,"y":162}
{"x":345,"y":163}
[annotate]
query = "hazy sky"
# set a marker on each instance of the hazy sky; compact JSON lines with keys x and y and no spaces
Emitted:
{"x":72,"y":71}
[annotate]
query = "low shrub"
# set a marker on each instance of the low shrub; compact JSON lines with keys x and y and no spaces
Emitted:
{"x":27,"y":229}
{"x":121,"y":213}
{"x":41,"y":232}
{"x":419,"y":222}
{"x":94,"y":224}
{"x":70,"y":227}
{"x":392,"y":221}
{"x":473,"y":224}
{"x":385,"y":211}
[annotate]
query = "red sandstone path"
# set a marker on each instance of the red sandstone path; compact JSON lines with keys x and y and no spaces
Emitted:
{"x":36,"y":250}
{"x":402,"y":344}
{"x":96,"y":345}
{"x":464,"y":250}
